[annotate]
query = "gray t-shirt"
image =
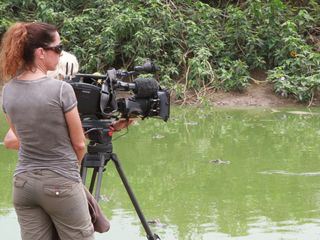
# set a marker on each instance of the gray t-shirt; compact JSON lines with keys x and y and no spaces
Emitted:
{"x":36,"y":108}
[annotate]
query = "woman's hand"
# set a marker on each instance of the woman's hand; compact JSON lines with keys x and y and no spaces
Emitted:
{"x":122,"y":123}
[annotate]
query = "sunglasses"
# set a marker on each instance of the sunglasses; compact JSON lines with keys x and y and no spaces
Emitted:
{"x":57,"y":49}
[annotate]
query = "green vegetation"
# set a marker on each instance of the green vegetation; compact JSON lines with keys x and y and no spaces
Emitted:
{"x":197,"y":45}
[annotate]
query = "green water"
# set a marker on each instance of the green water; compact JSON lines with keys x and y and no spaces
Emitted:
{"x":269,"y":190}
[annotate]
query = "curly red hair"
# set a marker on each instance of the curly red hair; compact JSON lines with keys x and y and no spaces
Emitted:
{"x":18,"y":45}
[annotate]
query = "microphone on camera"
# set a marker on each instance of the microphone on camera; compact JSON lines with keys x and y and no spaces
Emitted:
{"x":141,"y":87}
{"x":145,"y":87}
{"x":148,"y":67}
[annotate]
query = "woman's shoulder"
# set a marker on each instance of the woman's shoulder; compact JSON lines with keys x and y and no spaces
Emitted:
{"x":56,"y":82}
{"x":63,"y":86}
{"x":55,"y":86}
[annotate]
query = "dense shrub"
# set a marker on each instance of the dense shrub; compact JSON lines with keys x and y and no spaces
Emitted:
{"x":195,"y":44}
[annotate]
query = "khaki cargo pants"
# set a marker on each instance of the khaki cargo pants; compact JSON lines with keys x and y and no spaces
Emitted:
{"x":44,"y":200}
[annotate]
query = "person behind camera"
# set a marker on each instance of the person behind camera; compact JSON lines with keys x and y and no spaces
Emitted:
{"x":42,"y":113}
{"x":67,"y":67}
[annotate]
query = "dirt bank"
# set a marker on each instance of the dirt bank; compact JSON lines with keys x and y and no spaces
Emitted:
{"x":256,"y":95}
{"x":260,"y":93}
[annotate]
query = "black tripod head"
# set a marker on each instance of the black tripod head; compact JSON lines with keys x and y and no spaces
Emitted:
{"x":98,"y":131}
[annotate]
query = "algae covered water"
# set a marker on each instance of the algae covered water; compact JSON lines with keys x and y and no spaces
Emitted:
{"x":208,"y":174}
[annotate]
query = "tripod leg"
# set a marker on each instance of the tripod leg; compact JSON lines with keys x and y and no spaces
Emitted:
{"x":134,"y":201}
{"x":83,"y":174}
{"x":93,"y":179}
{"x":98,"y":187}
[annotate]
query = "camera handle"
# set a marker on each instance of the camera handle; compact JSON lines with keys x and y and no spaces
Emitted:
{"x":102,"y":154}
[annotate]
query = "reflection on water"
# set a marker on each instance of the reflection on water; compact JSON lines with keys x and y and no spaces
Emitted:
{"x":291,"y":173}
{"x":268,"y":190}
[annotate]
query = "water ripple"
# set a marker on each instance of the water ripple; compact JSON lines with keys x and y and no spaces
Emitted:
{"x":282,"y":172}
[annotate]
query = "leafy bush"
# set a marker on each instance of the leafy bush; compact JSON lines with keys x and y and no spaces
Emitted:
{"x":234,"y":73}
{"x":195,"y":44}
{"x":298,"y":75}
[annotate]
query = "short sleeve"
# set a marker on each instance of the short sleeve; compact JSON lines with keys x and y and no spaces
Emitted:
{"x":68,"y":98}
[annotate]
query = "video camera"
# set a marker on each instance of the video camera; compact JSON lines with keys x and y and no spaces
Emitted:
{"x":97,"y":95}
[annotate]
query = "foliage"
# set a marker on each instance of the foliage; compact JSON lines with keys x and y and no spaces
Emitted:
{"x":299,"y":75}
{"x":195,"y":44}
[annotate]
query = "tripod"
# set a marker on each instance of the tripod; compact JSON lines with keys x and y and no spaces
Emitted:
{"x":98,"y":155}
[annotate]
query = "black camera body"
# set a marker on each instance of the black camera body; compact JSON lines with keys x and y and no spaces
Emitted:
{"x":97,"y":95}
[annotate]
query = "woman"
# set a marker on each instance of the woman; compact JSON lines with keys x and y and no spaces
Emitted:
{"x":67,"y":67}
{"x":42,"y":114}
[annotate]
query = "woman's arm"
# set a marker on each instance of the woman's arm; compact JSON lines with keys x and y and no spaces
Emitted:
{"x":76,"y":133}
{"x":11,"y":140}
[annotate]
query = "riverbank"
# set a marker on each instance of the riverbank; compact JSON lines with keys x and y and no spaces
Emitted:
{"x":260,"y":93}
{"x":256,"y":95}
